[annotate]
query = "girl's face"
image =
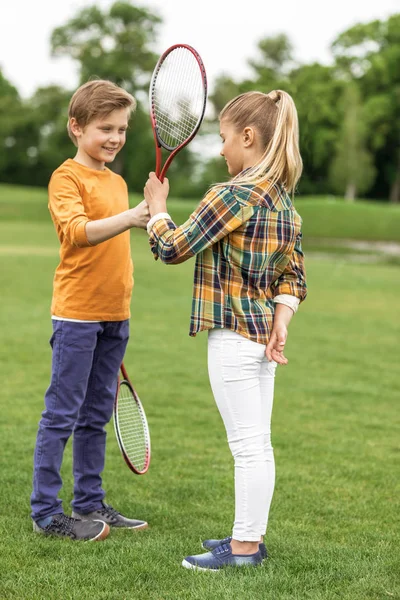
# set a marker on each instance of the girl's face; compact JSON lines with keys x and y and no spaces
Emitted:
{"x":101,"y":140}
{"x":233,"y":147}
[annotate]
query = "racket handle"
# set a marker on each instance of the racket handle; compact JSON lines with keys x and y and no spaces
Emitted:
{"x":158,"y":161}
{"x":123,"y":371}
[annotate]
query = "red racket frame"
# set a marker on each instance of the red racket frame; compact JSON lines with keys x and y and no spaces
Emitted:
{"x":120,"y":443}
{"x":159,"y":144}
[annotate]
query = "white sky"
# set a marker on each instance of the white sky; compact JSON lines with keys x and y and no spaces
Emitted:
{"x":224,"y":32}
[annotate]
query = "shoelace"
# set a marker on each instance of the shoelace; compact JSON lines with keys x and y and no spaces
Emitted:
{"x":61,"y":524}
{"x":108,"y":511}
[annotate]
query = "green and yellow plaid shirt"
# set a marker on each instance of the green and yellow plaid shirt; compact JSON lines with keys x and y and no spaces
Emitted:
{"x":247,"y":244}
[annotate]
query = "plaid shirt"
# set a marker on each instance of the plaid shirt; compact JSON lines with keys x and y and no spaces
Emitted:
{"x":247,"y":245}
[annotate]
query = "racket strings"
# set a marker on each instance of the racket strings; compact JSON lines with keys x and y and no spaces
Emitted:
{"x":172,"y":135}
{"x":132,"y":427}
{"x":178,"y":97}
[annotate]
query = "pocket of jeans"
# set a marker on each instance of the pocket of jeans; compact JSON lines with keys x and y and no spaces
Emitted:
{"x":230,"y":360}
{"x":250,"y":356}
{"x":57,"y":325}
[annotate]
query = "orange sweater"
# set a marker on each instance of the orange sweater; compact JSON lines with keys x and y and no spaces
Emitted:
{"x":91,"y":283}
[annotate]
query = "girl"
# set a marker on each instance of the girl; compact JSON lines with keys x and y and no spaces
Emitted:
{"x":249,"y":279}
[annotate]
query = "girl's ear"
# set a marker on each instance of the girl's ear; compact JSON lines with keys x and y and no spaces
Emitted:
{"x":248,"y":136}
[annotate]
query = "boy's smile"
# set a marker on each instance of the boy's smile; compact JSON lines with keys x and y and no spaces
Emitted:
{"x":101,"y":140}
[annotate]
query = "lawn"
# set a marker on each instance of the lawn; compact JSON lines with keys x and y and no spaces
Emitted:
{"x":334,"y":525}
{"x":323,"y":217}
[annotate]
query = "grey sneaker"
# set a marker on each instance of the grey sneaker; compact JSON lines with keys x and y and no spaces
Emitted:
{"x":112,"y":517}
{"x":63,"y":526}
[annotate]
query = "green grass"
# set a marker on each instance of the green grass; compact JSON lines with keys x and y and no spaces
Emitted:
{"x":323,"y":217}
{"x":333,"y":531}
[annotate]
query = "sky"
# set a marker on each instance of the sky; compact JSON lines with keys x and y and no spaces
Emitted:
{"x":224,"y":32}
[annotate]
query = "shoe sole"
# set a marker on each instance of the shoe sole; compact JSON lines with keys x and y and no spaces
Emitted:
{"x":145,"y":526}
{"x":102,"y":535}
{"x":189,"y":565}
{"x":82,"y":518}
{"x":138,"y":527}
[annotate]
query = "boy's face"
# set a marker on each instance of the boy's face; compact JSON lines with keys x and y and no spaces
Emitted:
{"x":101,"y":140}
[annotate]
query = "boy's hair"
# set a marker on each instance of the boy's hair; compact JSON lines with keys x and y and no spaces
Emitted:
{"x":274,"y":116}
{"x":97,"y":99}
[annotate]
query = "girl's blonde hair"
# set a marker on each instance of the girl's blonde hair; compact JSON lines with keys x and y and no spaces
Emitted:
{"x":274,"y":116}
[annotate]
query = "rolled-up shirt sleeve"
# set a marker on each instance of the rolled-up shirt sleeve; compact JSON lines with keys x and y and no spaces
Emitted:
{"x":67,"y":209}
{"x":218,"y":214}
{"x":292,"y":280}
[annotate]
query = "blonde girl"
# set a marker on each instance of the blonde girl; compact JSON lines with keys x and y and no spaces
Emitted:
{"x":249,"y":279}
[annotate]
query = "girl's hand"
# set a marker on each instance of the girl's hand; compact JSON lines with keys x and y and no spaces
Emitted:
{"x":276,"y":345}
{"x":156,"y":194}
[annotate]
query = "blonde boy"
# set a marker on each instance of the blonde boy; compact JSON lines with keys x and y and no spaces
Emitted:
{"x":90,"y":312}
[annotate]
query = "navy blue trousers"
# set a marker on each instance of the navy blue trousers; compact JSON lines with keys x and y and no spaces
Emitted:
{"x":79,"y":400}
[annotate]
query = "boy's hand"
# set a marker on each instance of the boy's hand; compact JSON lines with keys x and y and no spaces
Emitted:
{"x":140,"y":215}
{"x":156,"y":194}
{"x":276,"y":345}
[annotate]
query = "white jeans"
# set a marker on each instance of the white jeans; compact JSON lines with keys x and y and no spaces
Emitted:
{"x":242,"y":381}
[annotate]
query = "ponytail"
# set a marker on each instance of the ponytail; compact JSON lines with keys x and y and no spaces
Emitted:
{"x":274,"y":116}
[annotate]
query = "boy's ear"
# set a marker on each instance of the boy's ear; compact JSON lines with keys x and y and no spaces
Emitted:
{"x":75,"y":128}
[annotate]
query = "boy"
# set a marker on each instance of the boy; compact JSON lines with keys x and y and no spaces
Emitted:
{"x":90,"y":314}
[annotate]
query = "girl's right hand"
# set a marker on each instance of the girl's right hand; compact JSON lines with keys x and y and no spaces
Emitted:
{"x":276,"y":345}
{"x":156,"y":194}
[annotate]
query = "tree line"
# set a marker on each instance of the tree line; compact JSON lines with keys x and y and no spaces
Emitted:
{"x":349,"y":111}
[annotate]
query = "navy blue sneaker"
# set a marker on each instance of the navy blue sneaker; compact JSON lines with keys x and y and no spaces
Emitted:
{"x":211,"y":544}
{"x":221,"y":557}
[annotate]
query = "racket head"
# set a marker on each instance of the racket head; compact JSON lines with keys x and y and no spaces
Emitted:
{"x":177,"y":97}
{"x":131,"y":428}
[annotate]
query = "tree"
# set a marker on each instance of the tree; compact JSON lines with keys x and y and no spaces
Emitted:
{"x":10,"y":113}
{"x":352,"y":171}
{"x":276,"y":59}
{"x":315,"y":90}
{"x":114,"y":44}
{"x":46,"y":116}
{"x":370,"y":54}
